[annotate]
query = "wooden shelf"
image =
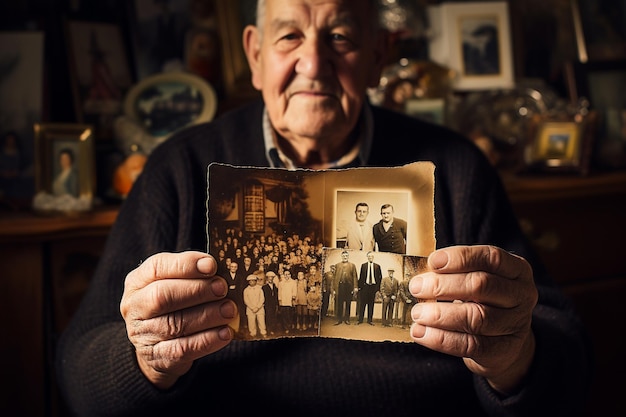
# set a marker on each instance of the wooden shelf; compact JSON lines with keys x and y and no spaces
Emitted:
{"x":37,"y":226}
{"x":527,"y":188}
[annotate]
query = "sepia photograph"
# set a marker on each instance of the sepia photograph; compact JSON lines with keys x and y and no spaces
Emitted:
{"x":278,"y":234}
{"x":368,"y":296}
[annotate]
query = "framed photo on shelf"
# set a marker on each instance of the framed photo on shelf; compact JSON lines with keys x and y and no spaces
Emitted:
{"x":164,"y":103}
{"x":99,"y":72}
{"x":560,"y":145}
{"x":65,"y":168}
{"x":430,"y":109}
{"x":599,"y":29}
{"x":602,"y":84}
{"x":474,"y":40}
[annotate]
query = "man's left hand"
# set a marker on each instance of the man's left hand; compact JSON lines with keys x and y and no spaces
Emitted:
{"x":485,"y":299}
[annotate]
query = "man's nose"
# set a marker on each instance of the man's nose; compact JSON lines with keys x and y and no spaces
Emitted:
{"x":314,"y":60}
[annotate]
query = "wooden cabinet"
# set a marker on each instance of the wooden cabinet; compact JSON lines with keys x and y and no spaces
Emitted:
{"x":578,"y":227}
{"x":46,"y":265}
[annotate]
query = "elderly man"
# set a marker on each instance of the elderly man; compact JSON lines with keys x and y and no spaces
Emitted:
{"x":389,"y":293}
{"x":154,"y":339}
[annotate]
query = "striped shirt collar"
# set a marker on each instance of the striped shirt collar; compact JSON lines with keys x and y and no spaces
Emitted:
{"x":357,"y":156}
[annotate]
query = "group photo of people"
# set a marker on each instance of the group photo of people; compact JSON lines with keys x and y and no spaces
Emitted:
{"x":369,"y":297}
{"x":276,"y":282}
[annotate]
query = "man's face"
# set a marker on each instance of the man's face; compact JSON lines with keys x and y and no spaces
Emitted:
{"x":314,"y":62}
{"x":361,"y":213}
{"x":387,"y":214}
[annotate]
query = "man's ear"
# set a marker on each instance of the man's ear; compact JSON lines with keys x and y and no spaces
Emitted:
{"x":382,"y":45}
{"x":252,"y":47}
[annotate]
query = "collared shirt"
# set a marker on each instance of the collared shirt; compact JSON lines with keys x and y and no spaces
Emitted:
{"x":357,"y":156}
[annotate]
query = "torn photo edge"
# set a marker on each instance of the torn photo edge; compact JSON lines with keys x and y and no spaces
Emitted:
{"x":299,"y":215}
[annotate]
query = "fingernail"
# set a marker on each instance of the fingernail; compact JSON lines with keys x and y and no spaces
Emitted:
{"x":416,"y":312}
{"x":418,"y":331}
{"x":225,"y":333}
{"x":204,"y":265}
{"x":227,"y":310}
{"x":218,"y":287}
{"x":415,"y":285}
{"x":438,"y":259}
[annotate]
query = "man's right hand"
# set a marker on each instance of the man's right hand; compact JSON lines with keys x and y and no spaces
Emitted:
{"x":176,"y":312}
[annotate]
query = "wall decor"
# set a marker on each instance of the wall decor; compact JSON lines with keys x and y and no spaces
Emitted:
{"x":99,"y":72}
{"x":21,"y":104}
{"x":65,"y":162}
{"x":158,"y":31}
{"x":474,"y":40}
{"x":164,"y":103}
{"x":561,"y":144}
{"x":601,"y":85}
{"x":232,"y":18}
{"x":599,"y":29}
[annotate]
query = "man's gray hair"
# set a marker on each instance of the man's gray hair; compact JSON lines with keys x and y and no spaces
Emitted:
{"x":375,"y":4}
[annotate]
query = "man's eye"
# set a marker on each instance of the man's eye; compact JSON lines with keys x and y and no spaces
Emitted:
{"x":289,"y":37}
{"x":338,"y":37}
{"x":341,"y":43}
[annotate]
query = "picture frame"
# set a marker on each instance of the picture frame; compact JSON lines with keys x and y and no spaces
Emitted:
{"x":157,"y":32}
{"x":233,"y":16}
{"x":166,"y":102}
{"x":600,"y":82}
{"x":22,"y":99}
{"x":474,"y":40}
{"x":429,"y":109}
{"x":99,"y":71}
{"x":56,"y":144}
{"x":600,"y":85}
{"x":599,"y":29}
{"x":560,"y":144}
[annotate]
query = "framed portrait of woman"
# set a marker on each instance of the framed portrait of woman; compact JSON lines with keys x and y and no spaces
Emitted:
{"x":65,"y":167}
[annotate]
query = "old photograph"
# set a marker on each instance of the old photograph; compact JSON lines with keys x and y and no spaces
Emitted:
{"x":275,"y":234}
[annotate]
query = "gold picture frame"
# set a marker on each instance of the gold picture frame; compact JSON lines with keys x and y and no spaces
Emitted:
{"x":236,"y":77}
{"x":562,"y":145}
{"x":71,"y":189}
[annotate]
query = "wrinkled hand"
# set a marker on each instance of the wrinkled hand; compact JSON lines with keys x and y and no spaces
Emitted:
{"x":486,"y":299}
{"x":175,"y":313}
